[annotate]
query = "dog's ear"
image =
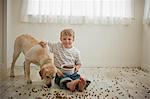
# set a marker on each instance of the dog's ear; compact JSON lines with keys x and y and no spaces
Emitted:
{"x":43,"y":43}
{"x":41,"y":73}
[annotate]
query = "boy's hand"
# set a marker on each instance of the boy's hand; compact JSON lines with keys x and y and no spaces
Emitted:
{"x":77,"y":67}
{"x":59,"y":73}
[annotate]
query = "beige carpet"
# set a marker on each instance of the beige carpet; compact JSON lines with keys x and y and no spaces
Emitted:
{"x":107,"y":83}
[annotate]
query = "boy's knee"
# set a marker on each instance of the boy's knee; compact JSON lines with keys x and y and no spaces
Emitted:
{"x":63,"y":82}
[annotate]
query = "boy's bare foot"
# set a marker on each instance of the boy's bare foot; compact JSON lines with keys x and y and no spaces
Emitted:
{"x":72,"y":85}
{"x":82,"y":84}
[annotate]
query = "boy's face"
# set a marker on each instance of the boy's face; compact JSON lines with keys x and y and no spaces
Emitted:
{"x":67,"y":41}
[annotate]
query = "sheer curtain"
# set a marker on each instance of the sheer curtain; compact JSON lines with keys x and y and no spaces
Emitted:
{"x":78,"y":11}
{"x":146,"y":19}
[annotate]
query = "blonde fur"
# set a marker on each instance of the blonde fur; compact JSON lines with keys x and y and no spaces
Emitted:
{"x":36,"y":52}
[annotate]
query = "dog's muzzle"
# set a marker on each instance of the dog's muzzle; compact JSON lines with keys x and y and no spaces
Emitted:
{"x":49,"y":85}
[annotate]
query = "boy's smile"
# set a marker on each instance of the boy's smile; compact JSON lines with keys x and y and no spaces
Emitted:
{"x":67,"y":41}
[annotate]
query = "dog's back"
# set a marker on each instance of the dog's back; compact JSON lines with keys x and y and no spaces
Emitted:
{"x":24,"y":42}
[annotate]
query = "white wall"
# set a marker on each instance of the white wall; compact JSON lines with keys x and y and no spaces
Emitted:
{"x":146,"y":48}
{"x":100,"y":45}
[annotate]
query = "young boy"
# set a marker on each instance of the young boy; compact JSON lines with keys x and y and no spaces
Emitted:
{"x":65,"y":53}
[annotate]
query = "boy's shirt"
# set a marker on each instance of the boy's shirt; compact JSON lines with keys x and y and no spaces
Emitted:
{"x":69,"y":56}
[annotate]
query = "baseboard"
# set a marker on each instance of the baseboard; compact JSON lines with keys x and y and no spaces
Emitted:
{"x":92,"y":66}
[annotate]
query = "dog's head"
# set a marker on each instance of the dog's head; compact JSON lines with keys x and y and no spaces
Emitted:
{"x":48,"y":73}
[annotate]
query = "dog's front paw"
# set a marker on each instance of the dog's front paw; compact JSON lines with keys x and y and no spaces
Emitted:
{"x":12,"y":75}
{"x":29,"y":81}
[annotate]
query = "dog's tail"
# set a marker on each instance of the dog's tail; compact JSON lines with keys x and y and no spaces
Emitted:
{"x":43,"y":43}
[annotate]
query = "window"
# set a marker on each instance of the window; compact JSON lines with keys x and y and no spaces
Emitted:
{"x":78,"y":11}
{"x":146,"y":19}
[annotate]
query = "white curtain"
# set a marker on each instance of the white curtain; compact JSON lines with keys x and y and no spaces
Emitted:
{"x":146,"y":19}
{"x":78,"y":11}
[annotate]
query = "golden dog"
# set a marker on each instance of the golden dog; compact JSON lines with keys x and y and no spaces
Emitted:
{"x":37,"y":53}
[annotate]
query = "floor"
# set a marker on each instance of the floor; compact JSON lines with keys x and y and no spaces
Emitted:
{"x":107,"y":83}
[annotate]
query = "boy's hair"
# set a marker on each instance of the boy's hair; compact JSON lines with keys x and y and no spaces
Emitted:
{"x":67,"y":32}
